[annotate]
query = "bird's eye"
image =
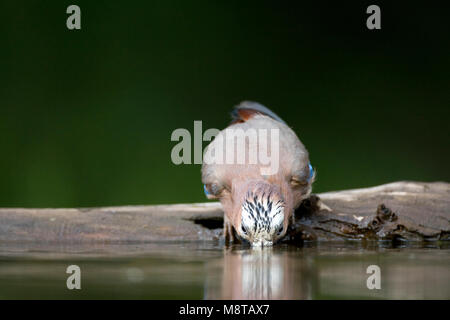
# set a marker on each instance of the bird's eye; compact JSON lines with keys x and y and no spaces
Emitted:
{"x":280,"y":230}
{"x":302,"y":178}
{"x":213,"y":190}
{"x":298,"y":181}
{"x":244,"y":229}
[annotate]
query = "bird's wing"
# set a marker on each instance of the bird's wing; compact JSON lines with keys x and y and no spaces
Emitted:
{"x":247,"y":109}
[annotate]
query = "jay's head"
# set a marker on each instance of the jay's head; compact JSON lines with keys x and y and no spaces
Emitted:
{"x":260,"y":208}
{"x":261,"y":219}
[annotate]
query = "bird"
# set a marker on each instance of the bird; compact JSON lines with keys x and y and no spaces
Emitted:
{"x":258,"y":204}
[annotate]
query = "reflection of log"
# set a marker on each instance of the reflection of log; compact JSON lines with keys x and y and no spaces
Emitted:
{"x":396,"y":211}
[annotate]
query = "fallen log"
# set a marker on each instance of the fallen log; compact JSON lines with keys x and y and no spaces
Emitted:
{"x":397,"y":211}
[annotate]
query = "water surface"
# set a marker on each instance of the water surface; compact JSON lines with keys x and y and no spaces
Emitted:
{"x":210,"y":271}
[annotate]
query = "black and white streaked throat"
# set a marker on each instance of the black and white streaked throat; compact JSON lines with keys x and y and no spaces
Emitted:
{"x":262,"y":220}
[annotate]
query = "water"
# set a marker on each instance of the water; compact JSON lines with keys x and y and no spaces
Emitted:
{"x":210,"y":271}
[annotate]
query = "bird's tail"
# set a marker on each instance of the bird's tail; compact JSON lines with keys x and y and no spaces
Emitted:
{"x":247,"y":109}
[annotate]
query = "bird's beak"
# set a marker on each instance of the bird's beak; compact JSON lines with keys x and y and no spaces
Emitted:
{"x":262,"y":243}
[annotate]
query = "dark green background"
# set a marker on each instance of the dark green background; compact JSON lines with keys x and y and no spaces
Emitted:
{"x":86,"y":116}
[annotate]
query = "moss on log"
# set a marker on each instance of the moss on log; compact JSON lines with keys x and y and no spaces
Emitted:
{"x":396,"y":211}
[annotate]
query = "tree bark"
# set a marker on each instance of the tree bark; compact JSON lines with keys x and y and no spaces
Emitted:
{"x":396,"y":212}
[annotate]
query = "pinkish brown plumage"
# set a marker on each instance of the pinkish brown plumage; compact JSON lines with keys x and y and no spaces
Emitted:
{"x":258,"y":206}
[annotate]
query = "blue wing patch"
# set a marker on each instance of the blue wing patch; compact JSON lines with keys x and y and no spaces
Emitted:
{"x":311,"y":172}
{"x":205,"y":190}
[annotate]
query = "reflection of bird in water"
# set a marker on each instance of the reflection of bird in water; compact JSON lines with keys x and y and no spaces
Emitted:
{"x":260,"y":274}
{"x":258,"y":205}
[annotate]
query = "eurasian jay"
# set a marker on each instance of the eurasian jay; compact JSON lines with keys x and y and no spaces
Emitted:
{"x":259,"y":205}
